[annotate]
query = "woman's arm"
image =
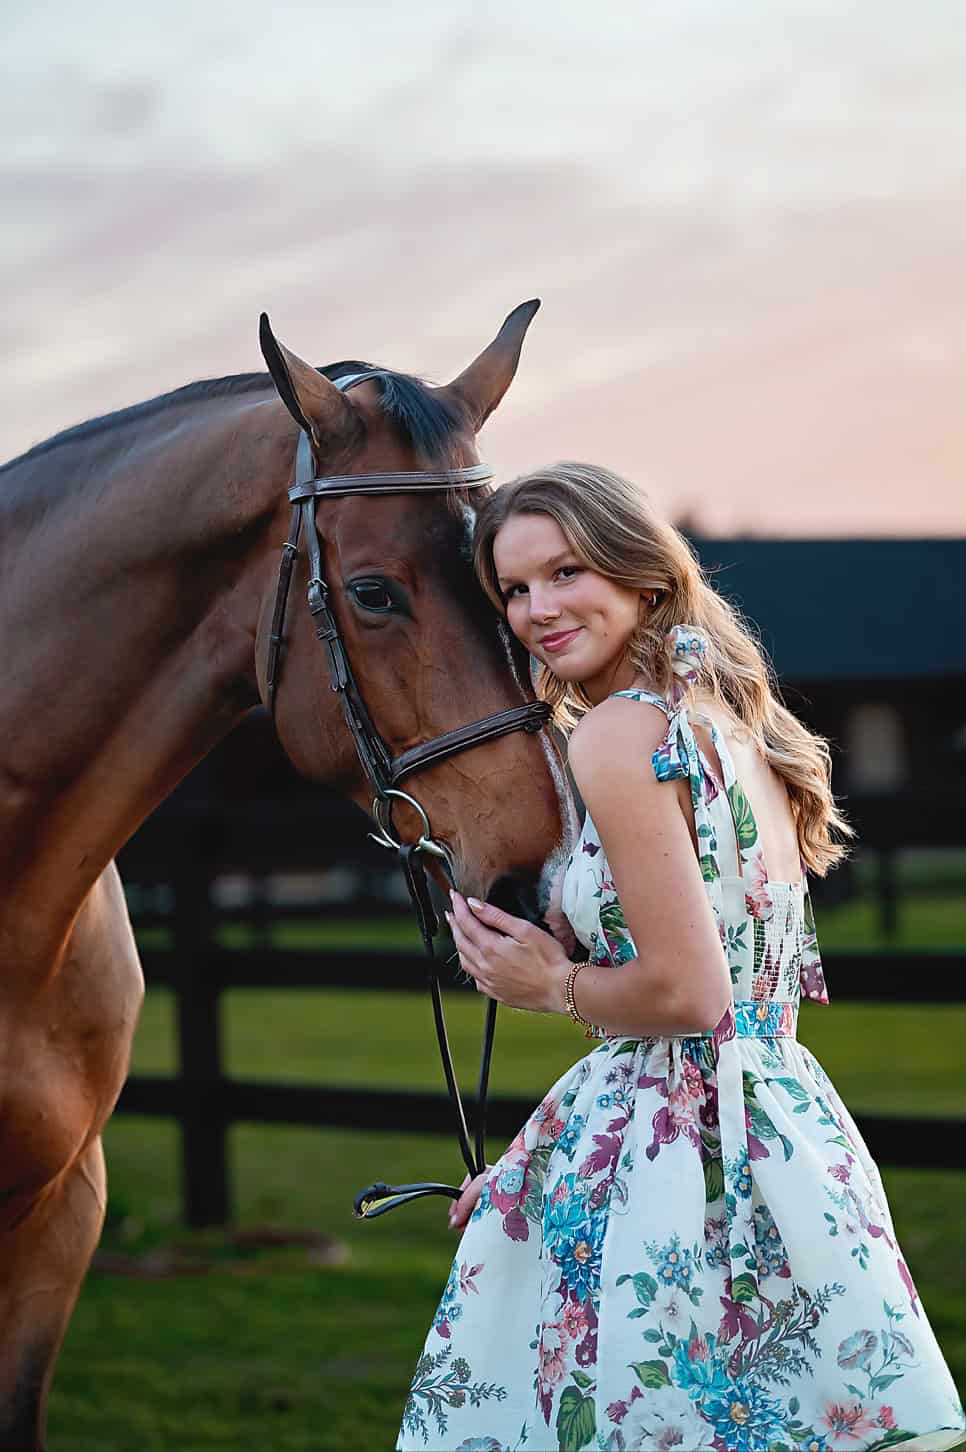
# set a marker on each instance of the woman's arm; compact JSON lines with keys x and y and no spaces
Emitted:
{"x":679,"y":982}
{"x":680,"y":976}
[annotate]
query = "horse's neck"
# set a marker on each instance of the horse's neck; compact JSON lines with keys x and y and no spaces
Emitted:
{"x":128,"y":626}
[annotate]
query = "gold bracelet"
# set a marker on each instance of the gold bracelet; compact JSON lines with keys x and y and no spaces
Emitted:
{"x":572,"y":1008}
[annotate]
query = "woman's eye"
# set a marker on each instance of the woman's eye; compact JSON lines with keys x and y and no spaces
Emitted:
{"x":372,"y":595}
{"x":562,"y":572}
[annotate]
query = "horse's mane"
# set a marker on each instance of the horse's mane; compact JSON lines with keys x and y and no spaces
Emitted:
{"x":426,"y":419}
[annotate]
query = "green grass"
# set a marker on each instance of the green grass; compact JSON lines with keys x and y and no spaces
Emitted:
{"x":275,"y":1353}
{"x":925,"y":920}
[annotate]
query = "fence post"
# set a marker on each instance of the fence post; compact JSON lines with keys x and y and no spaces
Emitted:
{"x":203,"y":1125}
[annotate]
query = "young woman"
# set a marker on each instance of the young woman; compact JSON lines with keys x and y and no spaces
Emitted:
{"x":688,"y":1245}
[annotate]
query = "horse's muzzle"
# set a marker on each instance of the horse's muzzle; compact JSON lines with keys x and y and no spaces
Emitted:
{"x":519,"y":897}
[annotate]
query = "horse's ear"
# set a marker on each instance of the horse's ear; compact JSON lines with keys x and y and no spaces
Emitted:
{"x":481,"y":386}
{"x":315,"y":404}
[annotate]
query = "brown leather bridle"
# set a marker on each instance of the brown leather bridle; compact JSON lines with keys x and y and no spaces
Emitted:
{"x":384,"y":771}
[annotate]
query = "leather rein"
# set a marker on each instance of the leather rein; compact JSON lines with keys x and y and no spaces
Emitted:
{"x":384,"y":771}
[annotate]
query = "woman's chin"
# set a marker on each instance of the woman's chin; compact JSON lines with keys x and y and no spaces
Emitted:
{"x":573,"y":664}
{"x":569,"y":671}
{"x":576,"y":668}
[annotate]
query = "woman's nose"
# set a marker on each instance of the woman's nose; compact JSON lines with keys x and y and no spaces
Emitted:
{"x":543,"y":607}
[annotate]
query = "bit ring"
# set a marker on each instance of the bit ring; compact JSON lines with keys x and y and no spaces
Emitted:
{"x":385,"y":837}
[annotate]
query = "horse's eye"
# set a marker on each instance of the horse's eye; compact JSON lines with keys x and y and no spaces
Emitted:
{"x":372,"y":595}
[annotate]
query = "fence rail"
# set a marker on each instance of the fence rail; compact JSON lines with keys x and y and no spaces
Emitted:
{"x":938,"y":976}
{"x":933,"y":1143}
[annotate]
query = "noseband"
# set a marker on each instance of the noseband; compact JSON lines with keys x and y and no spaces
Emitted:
{"x":385,"y":771}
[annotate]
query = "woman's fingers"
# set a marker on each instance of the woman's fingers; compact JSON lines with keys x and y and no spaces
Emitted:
{"x":498,"y":921}
{"x":462,"y":1209}
{"x":474,"y":932}
{"x":468,"y":959}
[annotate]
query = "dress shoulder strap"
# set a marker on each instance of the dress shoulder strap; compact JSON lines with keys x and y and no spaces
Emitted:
{"x":652,"y":697}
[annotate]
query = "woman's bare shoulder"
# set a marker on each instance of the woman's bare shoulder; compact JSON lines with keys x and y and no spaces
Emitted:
{"x":612,"y":739}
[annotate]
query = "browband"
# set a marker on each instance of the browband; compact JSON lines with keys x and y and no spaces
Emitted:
{"x":414,"y":481}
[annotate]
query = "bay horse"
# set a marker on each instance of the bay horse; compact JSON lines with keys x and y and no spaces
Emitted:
{"x":139,"y":560}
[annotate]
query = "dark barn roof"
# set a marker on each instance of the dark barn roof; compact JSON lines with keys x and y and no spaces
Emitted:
{"x":849,"y":609}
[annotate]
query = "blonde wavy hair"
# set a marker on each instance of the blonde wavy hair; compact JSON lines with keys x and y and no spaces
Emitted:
{"x":612,"y":527}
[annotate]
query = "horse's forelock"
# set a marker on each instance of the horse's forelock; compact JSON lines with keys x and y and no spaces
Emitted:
{"x":430,"y":421}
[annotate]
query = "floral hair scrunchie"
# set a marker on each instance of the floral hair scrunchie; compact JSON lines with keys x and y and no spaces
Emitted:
{"x":687,"y":647}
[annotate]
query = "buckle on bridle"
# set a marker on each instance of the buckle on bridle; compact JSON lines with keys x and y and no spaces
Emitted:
{"x":318,"y":595}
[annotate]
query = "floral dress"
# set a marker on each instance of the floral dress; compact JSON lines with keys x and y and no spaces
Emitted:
{"x":687,"y":1247}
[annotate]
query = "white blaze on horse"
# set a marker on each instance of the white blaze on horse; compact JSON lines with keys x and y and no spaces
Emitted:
{"x":139,"y":565}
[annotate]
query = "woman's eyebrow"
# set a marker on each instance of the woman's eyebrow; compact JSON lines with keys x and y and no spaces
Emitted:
{"x":503,"y":581}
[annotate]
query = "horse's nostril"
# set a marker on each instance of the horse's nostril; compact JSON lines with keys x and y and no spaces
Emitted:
{"x":518,"y":897}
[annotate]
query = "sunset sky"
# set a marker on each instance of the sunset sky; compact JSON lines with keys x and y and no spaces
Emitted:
{"x":747,"y":223}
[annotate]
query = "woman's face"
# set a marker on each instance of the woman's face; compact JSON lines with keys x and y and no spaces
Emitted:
{"x":573,"y":619}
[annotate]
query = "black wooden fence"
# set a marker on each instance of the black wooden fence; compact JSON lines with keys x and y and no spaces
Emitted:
{"x":259,"y":840}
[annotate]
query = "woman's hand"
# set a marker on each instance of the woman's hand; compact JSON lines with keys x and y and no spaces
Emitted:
{"x":509,"y":959}
{"x":461,"y":1209}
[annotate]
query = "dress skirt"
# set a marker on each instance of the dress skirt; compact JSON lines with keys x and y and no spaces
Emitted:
{"x":687,"y":1247}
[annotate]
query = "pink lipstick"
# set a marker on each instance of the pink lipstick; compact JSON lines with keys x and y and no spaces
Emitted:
{"x":553,"y":643}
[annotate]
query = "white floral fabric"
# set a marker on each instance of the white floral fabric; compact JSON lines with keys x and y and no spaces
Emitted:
{"x":687,"y":1247}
